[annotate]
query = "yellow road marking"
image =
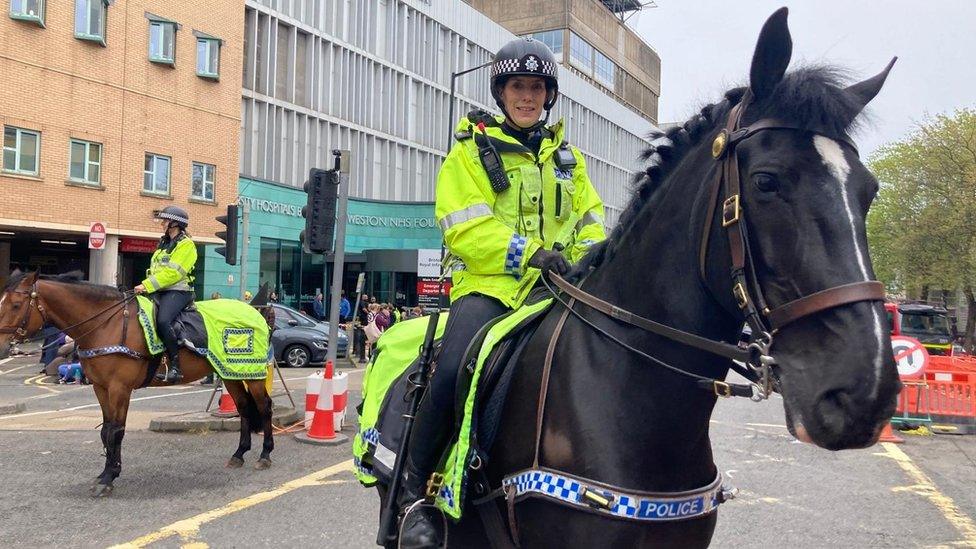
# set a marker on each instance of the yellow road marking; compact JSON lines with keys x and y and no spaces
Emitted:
{"x":187,"y":529}
{"x":925,"y":487}
{"x":30,"y":380}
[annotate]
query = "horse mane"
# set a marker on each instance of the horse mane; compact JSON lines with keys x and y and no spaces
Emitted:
{"x":809,"y":97}
{"x":14,"y":280}
{"x":76,"y":278}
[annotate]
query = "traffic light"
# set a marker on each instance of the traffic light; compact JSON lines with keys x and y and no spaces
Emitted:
{"x":320,"y":211}
{"x":229,"y":249}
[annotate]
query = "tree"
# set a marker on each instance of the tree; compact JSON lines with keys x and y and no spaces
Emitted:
{"x":922,"y":227}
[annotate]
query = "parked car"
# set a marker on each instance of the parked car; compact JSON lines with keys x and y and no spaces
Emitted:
{"x":299,"y":340}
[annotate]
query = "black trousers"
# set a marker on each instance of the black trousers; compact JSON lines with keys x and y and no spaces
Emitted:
{"x":169,"y":304}
{"x":435,"y":419}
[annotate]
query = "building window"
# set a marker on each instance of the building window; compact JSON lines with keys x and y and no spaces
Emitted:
{"x":580,"y":53}
{"x":553,"y":39}
{"x":21,"y":150}
{"x":90,"y":20}
{"x":86,"y":162}
{"x":208,"y":55}
{"x":28,"y":10}
{"x":162,"y":39}
{"x":155,"y":178}
{"x":604,"y":69}
{"x":202,"y":181}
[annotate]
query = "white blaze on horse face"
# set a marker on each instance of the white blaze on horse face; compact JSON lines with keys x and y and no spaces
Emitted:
{"x":833,"y":157}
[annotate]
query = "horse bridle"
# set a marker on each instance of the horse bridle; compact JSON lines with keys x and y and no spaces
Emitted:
{"x":763,"y":321}
{"x":21,"y":330}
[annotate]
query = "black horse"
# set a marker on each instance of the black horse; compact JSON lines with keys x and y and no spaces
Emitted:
{"x":614,"y":417}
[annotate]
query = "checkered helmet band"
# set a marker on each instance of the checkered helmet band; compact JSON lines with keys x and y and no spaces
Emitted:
{"x":528,"y":65}
{"x":174,"y":213}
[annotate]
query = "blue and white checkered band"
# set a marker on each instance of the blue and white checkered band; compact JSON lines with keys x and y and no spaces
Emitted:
{"x":110,"y":350}
{"x":581,"y":493}
{"x":528,"y":64}
{"x":447,"y":495}
{"x":371,"y":436}
{"x":513,"y":257}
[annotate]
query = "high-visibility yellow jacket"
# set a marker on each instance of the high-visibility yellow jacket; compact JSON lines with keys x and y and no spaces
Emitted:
{"x":171,"y":267}
{"x":495,"y":234}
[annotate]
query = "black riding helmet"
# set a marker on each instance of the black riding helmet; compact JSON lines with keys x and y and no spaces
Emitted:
{"x":525,"y":57}
{"x":176,"y":214}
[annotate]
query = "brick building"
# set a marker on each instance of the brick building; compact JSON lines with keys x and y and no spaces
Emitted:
{"x":111,"y":110}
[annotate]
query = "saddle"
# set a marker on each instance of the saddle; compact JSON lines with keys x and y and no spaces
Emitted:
{"x":381,"y":416}
{"x":231,"y":335}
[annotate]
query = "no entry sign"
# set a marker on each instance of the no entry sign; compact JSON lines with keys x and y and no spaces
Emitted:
{"x":96,"y":236}
{"x":910,"y":355}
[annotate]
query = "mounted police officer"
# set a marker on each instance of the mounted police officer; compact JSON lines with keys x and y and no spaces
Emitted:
{"x":170,"y":279}
{"x":514,"y":202}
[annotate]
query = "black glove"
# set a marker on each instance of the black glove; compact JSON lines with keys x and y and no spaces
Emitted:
{"x":548,"y":260}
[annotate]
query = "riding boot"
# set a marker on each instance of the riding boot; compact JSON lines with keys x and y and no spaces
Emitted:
{"x":418,"y":528}
{"x":173,"y":373}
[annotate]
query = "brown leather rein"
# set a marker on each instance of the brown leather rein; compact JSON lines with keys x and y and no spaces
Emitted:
{"x":20,"y":331}
{"x":763,"y":321}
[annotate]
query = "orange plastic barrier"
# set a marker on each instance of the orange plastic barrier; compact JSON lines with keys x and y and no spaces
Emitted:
{"x":941,"y":394}
{"x":959,"y":364}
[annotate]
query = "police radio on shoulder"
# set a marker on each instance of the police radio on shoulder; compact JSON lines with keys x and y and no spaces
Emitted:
{"x":492,"y":162}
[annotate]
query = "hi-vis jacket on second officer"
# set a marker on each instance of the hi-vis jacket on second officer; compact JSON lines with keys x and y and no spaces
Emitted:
{"x":549,"y":203}
{"x":171,"y":266}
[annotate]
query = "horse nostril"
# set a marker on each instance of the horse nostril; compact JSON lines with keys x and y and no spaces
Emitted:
{"x":834,"y":410}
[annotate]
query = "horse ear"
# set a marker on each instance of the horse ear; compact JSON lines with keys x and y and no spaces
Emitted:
{"x":772,"y":55}
{"x":865,"y":91}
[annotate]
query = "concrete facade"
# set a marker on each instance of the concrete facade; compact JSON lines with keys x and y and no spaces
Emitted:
{"x":62,"y":84}
{"x":636,"y":80}
{"x":373,"y":77}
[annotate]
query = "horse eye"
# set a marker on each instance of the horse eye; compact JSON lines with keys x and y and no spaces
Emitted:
{"x":765,"y":182}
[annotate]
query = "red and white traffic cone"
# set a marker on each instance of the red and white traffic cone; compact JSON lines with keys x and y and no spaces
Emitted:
{"x":313,"y":384}
{"x":227,"y":406}
{"x":340,"y":399}
{"x":888,"y":435}
{"x":322,"y":430}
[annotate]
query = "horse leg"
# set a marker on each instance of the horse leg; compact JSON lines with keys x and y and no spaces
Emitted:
{"x":102,"y":394}
{"x":262,"y":400}
{"x":113,"y":430}
{"x":239,"y":394}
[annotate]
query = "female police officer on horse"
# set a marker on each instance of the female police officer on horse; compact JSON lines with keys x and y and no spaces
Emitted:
{"x":514,"y":202}
{"x":170,"y":278}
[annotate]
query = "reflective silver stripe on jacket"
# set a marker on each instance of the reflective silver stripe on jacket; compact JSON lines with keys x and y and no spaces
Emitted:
{"x":589,"y":218}
{"x":467,"y":214}
{"x":179,"y":268}
{"x":153,"y":282}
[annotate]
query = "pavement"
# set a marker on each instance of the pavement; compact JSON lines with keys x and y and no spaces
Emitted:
{"x":175,"y":492}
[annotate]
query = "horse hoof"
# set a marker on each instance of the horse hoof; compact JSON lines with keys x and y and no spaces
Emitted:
{"x":263,"y":463}
{"x":235,"y":463}
{"x":101,"y":490}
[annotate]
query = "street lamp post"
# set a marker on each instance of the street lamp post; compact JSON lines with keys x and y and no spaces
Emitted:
{"x":447,"y":148}
{"x":450,"y":115}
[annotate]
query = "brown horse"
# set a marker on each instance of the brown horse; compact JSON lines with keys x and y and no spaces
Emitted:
{"x":101,"y":317}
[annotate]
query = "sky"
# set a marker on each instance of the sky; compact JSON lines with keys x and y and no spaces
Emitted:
{"x":706,"y":48}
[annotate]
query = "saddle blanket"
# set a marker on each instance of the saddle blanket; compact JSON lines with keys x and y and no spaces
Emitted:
{"x":384,"y":389}
{"x":230,"y":334}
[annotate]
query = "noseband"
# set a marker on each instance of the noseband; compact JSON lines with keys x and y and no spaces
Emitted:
{"x":762,"y":320}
